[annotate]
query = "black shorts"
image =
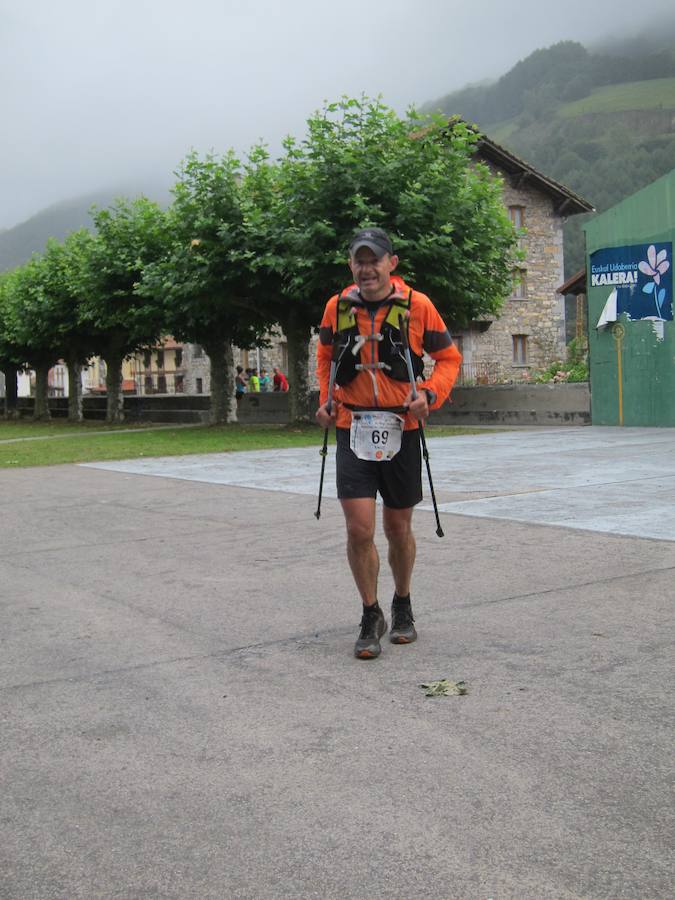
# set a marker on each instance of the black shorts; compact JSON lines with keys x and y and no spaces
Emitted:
{"x":399,"y":480}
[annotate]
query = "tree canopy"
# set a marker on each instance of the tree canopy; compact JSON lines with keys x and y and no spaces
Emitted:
{"x":361,"y":164}
{"x":247,"y":246}
{"x":129,"y":236}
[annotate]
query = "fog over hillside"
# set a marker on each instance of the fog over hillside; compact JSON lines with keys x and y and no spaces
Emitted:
{"x":98,"y":94}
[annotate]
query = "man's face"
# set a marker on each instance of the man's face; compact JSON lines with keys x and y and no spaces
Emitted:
{"x":371,"y":273}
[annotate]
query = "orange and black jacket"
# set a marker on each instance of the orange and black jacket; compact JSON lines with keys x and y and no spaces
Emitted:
{"x":371,"y":371}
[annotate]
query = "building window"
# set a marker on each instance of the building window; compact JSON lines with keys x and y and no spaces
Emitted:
{"x":283,"y":349}
{"x":160,"y":359}
{"x":519,"y":284}
{"x":179,"y":384}
{"x":519,"y":349}
{"x":517,"y":216}
{"x":200,"y":386}
{"x":147,"y":359}
{"x":161,"y":384}
{"x":148,"y":384}
{"x":179,"y":357}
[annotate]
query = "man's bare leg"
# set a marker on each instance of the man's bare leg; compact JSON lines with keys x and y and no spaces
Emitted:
{"x":362,"y":554}
{"x":365,"y":565}
{"x":402,"y":547}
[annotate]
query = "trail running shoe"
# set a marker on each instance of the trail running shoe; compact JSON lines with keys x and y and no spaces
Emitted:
{"x":402,"y":627}
{"x":373,"y":626}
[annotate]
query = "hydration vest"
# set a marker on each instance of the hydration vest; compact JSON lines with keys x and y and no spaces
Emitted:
{"x":390,"y":356}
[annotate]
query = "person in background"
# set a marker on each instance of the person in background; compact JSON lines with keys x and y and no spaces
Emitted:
{"x":280,"y":380}
{"x":265,"y":381}
{"x":254,"y":382}
{"x":239,"y":385}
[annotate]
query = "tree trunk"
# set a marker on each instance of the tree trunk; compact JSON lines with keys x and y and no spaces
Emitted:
{"x":41,"y":408}
{"x":297,"y":335}
{"x":11,"y":390}
{"x":113,"y":385}
{"x":74,"y":390}
{"x":222,"y":382}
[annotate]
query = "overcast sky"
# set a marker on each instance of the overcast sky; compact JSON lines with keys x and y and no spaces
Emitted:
{"x":97,"y":92}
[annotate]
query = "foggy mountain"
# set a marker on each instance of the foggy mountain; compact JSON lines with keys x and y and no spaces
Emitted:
{"x":529,"y":109}
{"x":601,"y":123}
{"x":19,"y":243}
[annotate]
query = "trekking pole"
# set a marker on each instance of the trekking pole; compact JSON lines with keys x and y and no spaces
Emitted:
{"x":413,"y":388}
{"x":324,"y":448}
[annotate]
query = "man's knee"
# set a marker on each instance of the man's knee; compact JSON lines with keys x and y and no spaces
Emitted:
{"x":397,"y":525}
{"x":360,"y":533}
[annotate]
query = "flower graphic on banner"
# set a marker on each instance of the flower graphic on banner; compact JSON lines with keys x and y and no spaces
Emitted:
{"x":655,"y":266}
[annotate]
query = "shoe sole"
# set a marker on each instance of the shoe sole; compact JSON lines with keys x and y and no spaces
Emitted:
{"x":399,"y":639}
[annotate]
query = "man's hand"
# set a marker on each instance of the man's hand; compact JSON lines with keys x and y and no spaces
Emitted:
{"x":418,"y":408}
{"x":323,"y":417}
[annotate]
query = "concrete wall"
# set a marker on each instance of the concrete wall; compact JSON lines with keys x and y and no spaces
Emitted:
{"x":507,"y":404}
{"x":166,"y":408}
{"x":517,"y":404}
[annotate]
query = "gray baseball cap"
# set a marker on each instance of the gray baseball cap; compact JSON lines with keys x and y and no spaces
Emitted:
{"x":375,"y":239}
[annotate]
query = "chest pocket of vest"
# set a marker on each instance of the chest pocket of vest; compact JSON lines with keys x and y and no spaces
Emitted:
{"x":391,"y":352}
{"x":346,"y":370}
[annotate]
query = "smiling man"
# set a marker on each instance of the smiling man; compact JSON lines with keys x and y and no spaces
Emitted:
{"x":377,"y":420}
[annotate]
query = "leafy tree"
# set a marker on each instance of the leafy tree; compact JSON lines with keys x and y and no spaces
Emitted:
{"x":360,"y":164}
{"x":31,"y":324}
{"x":9,"y":353}
{"x":61,"y":271}
{"x":208,"y":290}
{"x":121,"y":321}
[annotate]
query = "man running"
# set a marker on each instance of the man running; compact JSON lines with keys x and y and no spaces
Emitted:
{"x":377,"y":420}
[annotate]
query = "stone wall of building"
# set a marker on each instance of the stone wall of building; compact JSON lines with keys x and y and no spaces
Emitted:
{"x":197,"y":370}
{"x":539,"y":315}
{"x":197,"y":366}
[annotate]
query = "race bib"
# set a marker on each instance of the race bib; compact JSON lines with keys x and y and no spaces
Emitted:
{"x":376,"y":435}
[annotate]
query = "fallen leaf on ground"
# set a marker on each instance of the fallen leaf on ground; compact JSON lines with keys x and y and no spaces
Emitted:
{"x":445,"y":688}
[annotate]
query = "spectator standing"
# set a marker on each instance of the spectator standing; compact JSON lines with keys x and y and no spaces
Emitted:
{"x":239,"y":386}
{"x":280,"y":381}
{"x":265,"y":381}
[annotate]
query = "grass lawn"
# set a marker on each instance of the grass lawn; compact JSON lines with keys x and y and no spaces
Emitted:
{"x":26,"y":428}
{"x":49,"y":443}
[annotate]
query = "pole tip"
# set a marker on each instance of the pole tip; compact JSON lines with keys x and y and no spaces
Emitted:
{"x":440,"y":532}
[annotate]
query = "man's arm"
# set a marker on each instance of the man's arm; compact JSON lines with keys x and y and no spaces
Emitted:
{"x":438,"y":343}
{"x":324,"y":351}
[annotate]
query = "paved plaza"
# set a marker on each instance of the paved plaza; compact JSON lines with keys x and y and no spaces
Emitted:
{"x":182,"y":716}
{"x":618,"y":481}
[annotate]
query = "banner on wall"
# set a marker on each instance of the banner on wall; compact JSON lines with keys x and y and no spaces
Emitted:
{"x":638,"y":280}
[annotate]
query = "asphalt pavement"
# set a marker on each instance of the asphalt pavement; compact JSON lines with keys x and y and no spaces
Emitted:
{"x":182,"y":716}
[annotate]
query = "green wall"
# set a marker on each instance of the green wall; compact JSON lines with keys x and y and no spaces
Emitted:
{"x":632,"y":362}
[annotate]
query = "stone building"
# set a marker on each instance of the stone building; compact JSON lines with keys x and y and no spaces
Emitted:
{"x":198,"y":370}
{"x":529,"y":333}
